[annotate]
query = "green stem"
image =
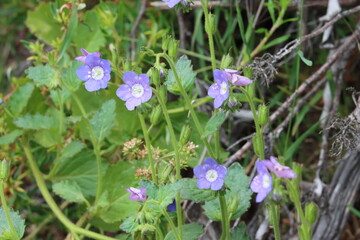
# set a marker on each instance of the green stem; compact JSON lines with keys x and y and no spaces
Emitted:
{"x":50,"y":201}
{"x":177,"y":157}
{"x":256,"y":121}
{"x":274,"y":215}
{"x":7,"y":211}
{"x":148,"y":147}
{"x":188,"y":103}
{"x":95,"y":145}
{"x":225,"y":235}
{"x":171,"y":223}
{"x":199,"y":102}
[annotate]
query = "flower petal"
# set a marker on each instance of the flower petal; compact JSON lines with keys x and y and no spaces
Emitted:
{"x":124,"y":92}
{"x":132,"y":102}
{"x":147,"y":95}
{"x":199,"y":171}
{"x":81,"y":58}
{"x":214,"y":90}
{"x":218,"y":102}
{"x":240,"y":80}
{"x":105,"y":64}
{"x":144,"y":80}
{"x":219,"y":76}
{"x":92,"y":85}
{"x":261,"y":196}
{"x":217,"y":184}
{"x":83,"y":72}
{"x":210,"y":161}
{"x":203,"y":183}
{"x":256,"y":184}
{"x":92,"y":61}
{"x":221,"y":170}
{"x":130,"y":77}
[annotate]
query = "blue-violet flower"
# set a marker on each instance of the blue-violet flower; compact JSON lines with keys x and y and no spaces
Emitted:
{"x":138,"y":195}
{"x":210,"y":175}
{"x":172,"y":206}
{"x":262,"y":183}
{"x":220,"y":89}
{"x":172,"y":3}
{"x":85,"y":54}
{"x":135,"y":91}
{"x":95,"y":72}
{"x":234,"y":77}
{"x":279,"y":170}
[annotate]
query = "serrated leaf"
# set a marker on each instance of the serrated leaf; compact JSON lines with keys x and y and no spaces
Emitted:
{"x":47,"y":137}
{"x":117,"y":178}
{"x":81,"y":168}
{"x":10,"y":138}
{"x":69,"y":77}
{"x":305,"y":60}
{"x":151,"y":189}
{"x":42,"y":23}
{"x":20,"y":98}
{"x":130,"y":224}
{"x":69,"y":190}
{"x":213,"y":124}
{"x":55,"y":95}
{"x":103,"y":120}
{"x":43,"y":75}
{"x":185,"y":72}
{"x":239,"y":232}
{"x":190,"y":232}
{"x":17,"y":221}
{"x":167,"y":193}
{"x":35,"y":122}
{"x":72,"y":148}
{"x":190,"y":191}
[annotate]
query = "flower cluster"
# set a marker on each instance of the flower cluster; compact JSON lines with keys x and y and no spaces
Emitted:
{"x":210,"y":175}
{"x":262,"y":183}
{"x":143,"y":173}
{"x":224,"y":79}
{"x":95,"y":72}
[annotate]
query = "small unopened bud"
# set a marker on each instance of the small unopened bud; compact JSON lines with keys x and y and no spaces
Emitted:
{"x":155,"y":75}
{"x":165,"y":43}
{"x":311,"y":212}
{"x":155,"y":115}
{"x":256,"y":139}
{"x":232,"y":102}
{"x":163,"y":93}
{"x":226,"y":61}
{"x":263,"y":113}
{"x":4,"y":169}
{"x":173,"y":48}
{"x":234,"y":203}
{"x":127,"y":65}
{"x":185,"y":134}
{"x":210,"y":25}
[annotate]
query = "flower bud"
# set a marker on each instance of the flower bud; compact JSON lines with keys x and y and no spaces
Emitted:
{"x":165,"y":43}
{"x":257,"y":143}
{"x":127,"y":65}
{"x":173,"y":48}
{"x":311,"y":212}
{"x":234,"y":203}
{"x":4,"y":169}
{"x":232,"y":102}
{"x":155,"y":115}
{"x":210,"y":25}
{"x":185,"y":135}
{"x":225,"y":61}
{"x":263,"y":114}
{"x":155,"y":76}
{"x":163,"y":93}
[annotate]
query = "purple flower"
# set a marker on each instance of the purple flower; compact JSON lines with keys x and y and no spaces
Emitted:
{"x":172,"y":3}
{"x":138,"y":195}
{"x":262,"y":183}
{"x":1,"y":101}
{"x":220,"y":89}
{"x":135,"y":91}
{"x":210,"y":175}
{"x":86,"y":53}
{"x":235,"y":78}
{"x":172,"y":207}
{"x":279,"y":170}
{"x":95,"y":72}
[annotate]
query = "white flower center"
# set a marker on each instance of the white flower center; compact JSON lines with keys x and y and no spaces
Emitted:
{"x":266,"y":181}
{"x":211,"y":175}
{"x":97,"y":73}
{"x":223,"y":88}
{"x":137,"y":90}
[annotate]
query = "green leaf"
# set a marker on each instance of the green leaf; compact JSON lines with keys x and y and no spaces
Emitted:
{"x":47,"y":137}
{"x":190,"y":232}
{"x":35,"y":122}
{"x":103,"y":120}
{"x":18,"y":222}
{"x":238,"y":183}
{"x":70,"y":32}
{"x":151,"y":189}
{"x":42,"y":23}
{"x":59,"y":95}
{"x":69,"y":190}
{"x":72,"y":148}
{"x":20,"y":98}
{"x":354,"y":211}
{"x":130,"y":224}
{"x":275,"y":41}
{"x":190,"y":191}
{"x":89,"y":34}
{"x":69,"y":77}
{"x":239,"y":232}
{"x":43,"y":75}
{"x":305,"y":60}
{"x":213,"y":124}
{"x":185,"y":72}
{"x":167,"y":193}
{"x":81,"y":168}
{"x":117,"y":178}
{"x":10,"y":138}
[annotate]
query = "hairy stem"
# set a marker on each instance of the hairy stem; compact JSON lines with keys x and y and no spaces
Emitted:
{"x":7,"y":211}
{"x":225,"y":235}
